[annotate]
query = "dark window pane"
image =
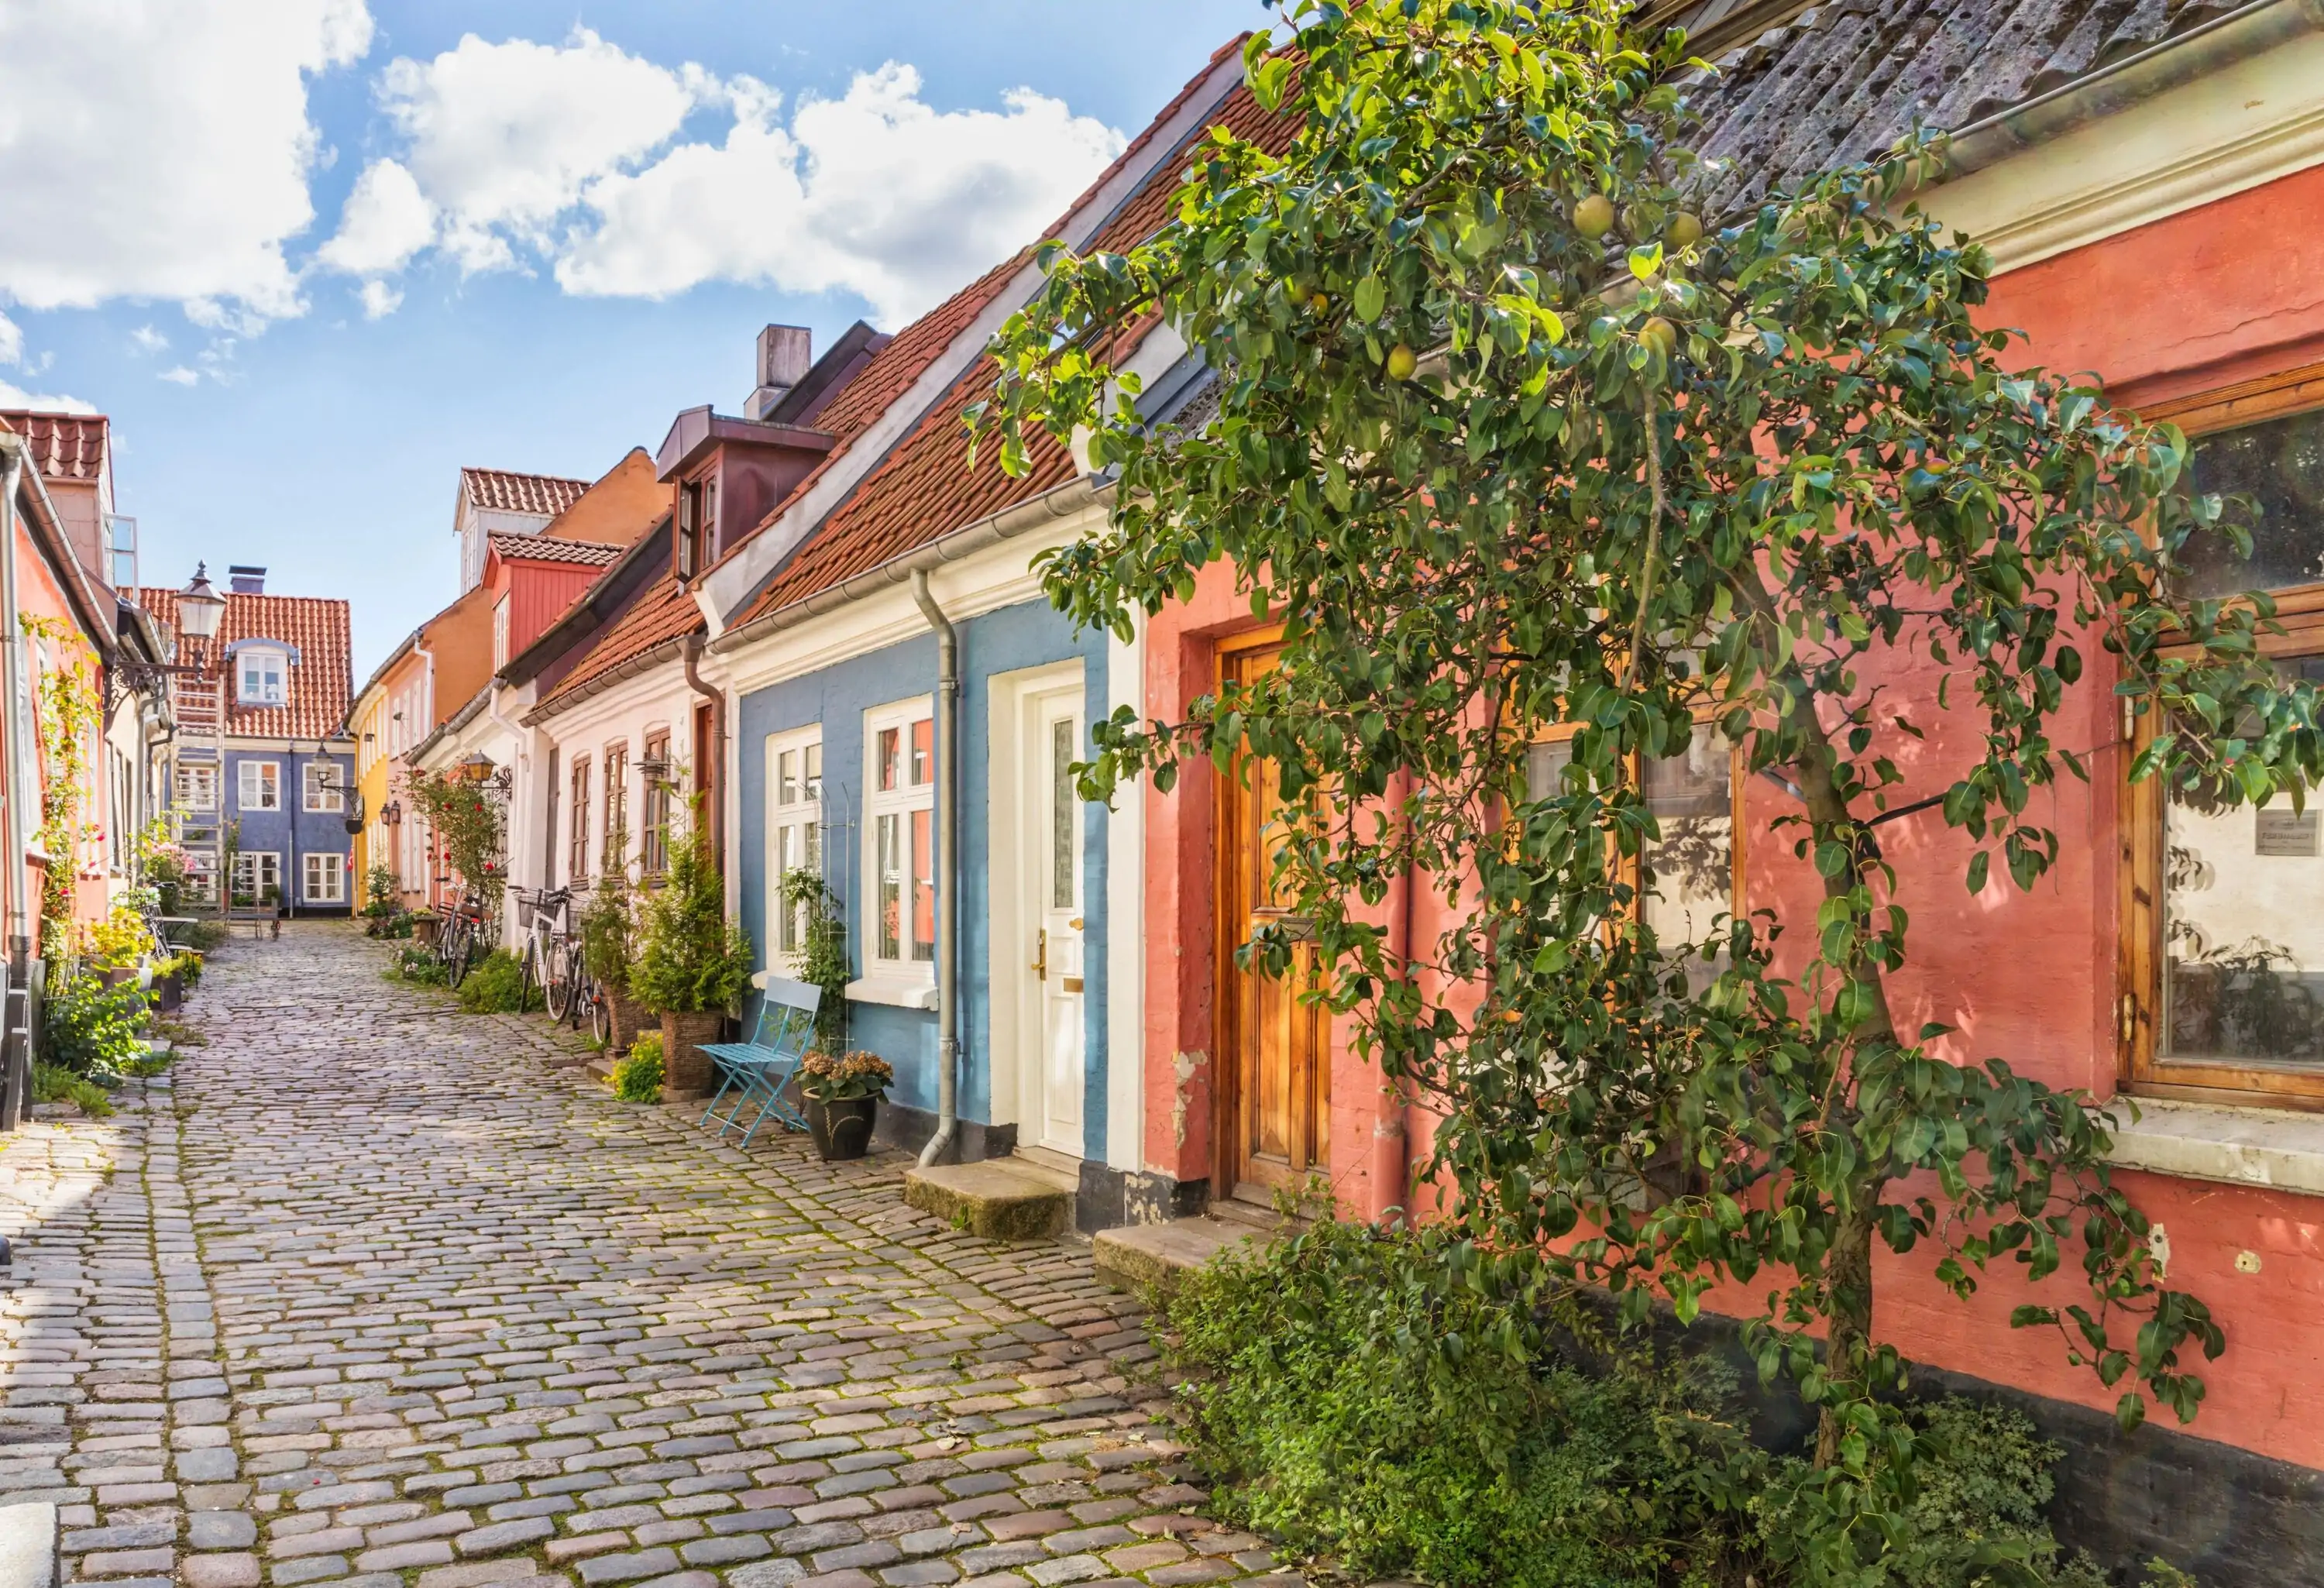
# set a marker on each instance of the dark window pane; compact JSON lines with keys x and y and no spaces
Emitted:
{"x":2279,"y":466}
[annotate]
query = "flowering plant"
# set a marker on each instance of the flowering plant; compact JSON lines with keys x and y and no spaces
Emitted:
{"x":837,"y":1077}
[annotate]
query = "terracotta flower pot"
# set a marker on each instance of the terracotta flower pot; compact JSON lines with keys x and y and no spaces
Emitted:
{"x":842,"y":1129}
{"x":685,"y":1067}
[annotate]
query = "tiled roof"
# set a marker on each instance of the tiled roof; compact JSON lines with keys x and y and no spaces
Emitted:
{"x":498,"y":491}
{"x":1830,"y":84}
{"x":61,"y":446}
{"x":664,"y":613}
{"x":552,"y":549}
{"x":318,"y":683}
{"x":924,"y":488}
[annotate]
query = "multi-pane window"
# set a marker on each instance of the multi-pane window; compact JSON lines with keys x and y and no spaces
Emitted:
{"x":794,"y":826}
{"x":197,"y":788}
{"x":322,"y":789}
{"x":578,"y":855}
{"x":325,"y":879}
{"x":653,"y":843}
{"x":1689,"y":876}
{"x":261,"y":671}
{"x":900,"y":811}
{"x":697,"y":514}
{"x":617,"y":807}
{"x":257,"y":877}
{"x":2223,"y":904}
{"x":258,"y":786}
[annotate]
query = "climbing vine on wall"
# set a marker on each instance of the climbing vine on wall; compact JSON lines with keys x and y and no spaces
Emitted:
{"x":71,"y":708}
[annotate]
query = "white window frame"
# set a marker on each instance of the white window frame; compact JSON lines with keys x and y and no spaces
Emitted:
{"x":197,"y":786}
{"x":260,"y":877}
{"x":330,"y":867}
{"x":905,"y":979}
{"x":795,"y":831}
{"x":242,"y":661}
{"x":316,"y":792}
{"x":244,"y":781}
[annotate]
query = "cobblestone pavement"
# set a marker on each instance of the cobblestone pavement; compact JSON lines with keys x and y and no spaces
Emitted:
{"x":373,"y":1293}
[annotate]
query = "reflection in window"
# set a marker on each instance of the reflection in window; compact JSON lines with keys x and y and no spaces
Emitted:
{"x":1688,"y":873}
{"x":1063,"y":808}
{"x":2242,"y":933}
{"x":2279,"y":466}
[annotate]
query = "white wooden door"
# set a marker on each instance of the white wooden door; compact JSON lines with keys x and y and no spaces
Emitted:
{"x":1055,"y":885}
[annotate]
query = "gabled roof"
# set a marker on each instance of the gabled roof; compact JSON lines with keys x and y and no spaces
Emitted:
{"x":550,"y":549}
{"x":655,"y":622}
{"x":317,"y":685}
{"x":924,"y":488}
{"x":499,"y":491}
{"x":1803,"y":88}
{"x":61,"y":446}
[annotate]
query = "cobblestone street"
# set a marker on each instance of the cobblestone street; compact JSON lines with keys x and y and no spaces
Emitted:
{"x":369,"y":1291}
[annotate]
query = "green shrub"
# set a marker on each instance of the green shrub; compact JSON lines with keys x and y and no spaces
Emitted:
{"x":1369,"y":1397}
{"x":496,"y":987}
{"x":638,"y":1078}
{"x":203,"y":933}
{"x":88,"y":1027}
{"x":52,"y":1084}
{"x":689,"y":957}
{"x":416,"y":961}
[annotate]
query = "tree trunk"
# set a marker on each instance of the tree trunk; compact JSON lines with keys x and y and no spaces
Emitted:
{"x":1848,"y":1280}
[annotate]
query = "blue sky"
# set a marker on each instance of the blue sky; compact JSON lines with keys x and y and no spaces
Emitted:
{"x":580,"y":217}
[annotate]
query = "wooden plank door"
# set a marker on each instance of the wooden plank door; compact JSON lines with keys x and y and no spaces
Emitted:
{"x":1275,"y":1072}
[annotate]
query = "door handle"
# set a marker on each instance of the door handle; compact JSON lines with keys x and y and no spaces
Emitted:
{"x":1042,"y":965}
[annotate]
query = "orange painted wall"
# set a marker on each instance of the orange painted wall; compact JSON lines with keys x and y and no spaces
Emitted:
{"x":2203,"y":299}
{"x":616,"y":509}
{"x":460,"y":637}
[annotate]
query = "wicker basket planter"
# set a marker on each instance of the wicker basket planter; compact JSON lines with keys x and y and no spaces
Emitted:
{"x":685,"y":1067}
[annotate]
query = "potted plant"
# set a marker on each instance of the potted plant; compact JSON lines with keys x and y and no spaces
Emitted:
{"x":609,"y":933}
{"x":842,"y":1093}
{"x":692,"y":963}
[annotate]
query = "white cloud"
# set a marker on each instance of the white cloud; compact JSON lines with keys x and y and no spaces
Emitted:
{"x":504,"y":137}
{"x":876,"y":193}
{"x":161,"y":149}
{"x":11,"y":341}
{"x":380,"y":299}
{"x":180,"y":375}
{"x":148,"y":340}
{"x":386,"y":220}
{"x":572,"y":157}
{"x":13,"y":396}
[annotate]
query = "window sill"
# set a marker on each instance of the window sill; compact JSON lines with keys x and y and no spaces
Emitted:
{"x":2273,"y":1147}
{"x":897,"y":992}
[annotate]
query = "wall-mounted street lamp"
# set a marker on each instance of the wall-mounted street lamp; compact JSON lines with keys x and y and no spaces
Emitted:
{"x":199,"y":612}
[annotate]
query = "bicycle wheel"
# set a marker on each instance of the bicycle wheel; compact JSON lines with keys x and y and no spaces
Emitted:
{"x":559,"y":988}
{"x":456,"y":968}
{"x":601,"y":1016}
{"x":529,"y":977}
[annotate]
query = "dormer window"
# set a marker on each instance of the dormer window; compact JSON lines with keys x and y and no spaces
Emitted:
{"x":262,"y":672}
{"x":698,"y":510}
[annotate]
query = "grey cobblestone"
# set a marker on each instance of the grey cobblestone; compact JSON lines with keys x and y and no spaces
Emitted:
{"x":371,"y":1293}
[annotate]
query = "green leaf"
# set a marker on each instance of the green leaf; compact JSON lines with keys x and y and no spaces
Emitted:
{"x":1370,"y":298}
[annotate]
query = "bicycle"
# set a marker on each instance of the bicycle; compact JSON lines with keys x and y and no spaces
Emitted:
{"x":591,"y":1004}
{"x":457,"y":945}
{"x":550,"y":950}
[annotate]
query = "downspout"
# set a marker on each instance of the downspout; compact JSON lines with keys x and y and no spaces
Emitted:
{"x":12,"y":683}
{"x":947,"y":873}
{"x":1392,"y":1142}
{"x":689,"y":655}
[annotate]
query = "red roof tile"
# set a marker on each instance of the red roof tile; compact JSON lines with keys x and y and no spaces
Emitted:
{"x":498,"y":491}
{"x":554,"y":549}
{"x":926,"y":489}
{"x":61,"y":446}
{"x":665,"y":612}
{"x":320,"y":680}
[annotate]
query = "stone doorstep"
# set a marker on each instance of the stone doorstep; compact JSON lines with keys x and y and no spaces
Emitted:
{"x":1149,"y":1258}
{"x":1002,"y":1199}
{"x":28,"y":1545}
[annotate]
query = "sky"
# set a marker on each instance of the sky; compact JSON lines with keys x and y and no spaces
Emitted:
{"x":313,"y":257}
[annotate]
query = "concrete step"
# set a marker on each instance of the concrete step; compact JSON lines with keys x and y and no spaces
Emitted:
{"x":1002,"y":1199}
{"x":1144,"y":1259}
{"x":28,"y":1545}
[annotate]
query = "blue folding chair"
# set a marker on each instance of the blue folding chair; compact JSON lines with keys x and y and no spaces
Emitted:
{"x":757,"y":1071}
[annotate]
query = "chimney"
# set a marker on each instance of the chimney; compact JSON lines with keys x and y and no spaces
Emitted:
{"x":246,"y":581}
{"x":784,"y":353}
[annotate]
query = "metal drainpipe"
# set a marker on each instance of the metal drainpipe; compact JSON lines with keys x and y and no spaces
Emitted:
{"x":689,"y":656}
{"x":12,"y":668}
{"x":948,"y":872}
